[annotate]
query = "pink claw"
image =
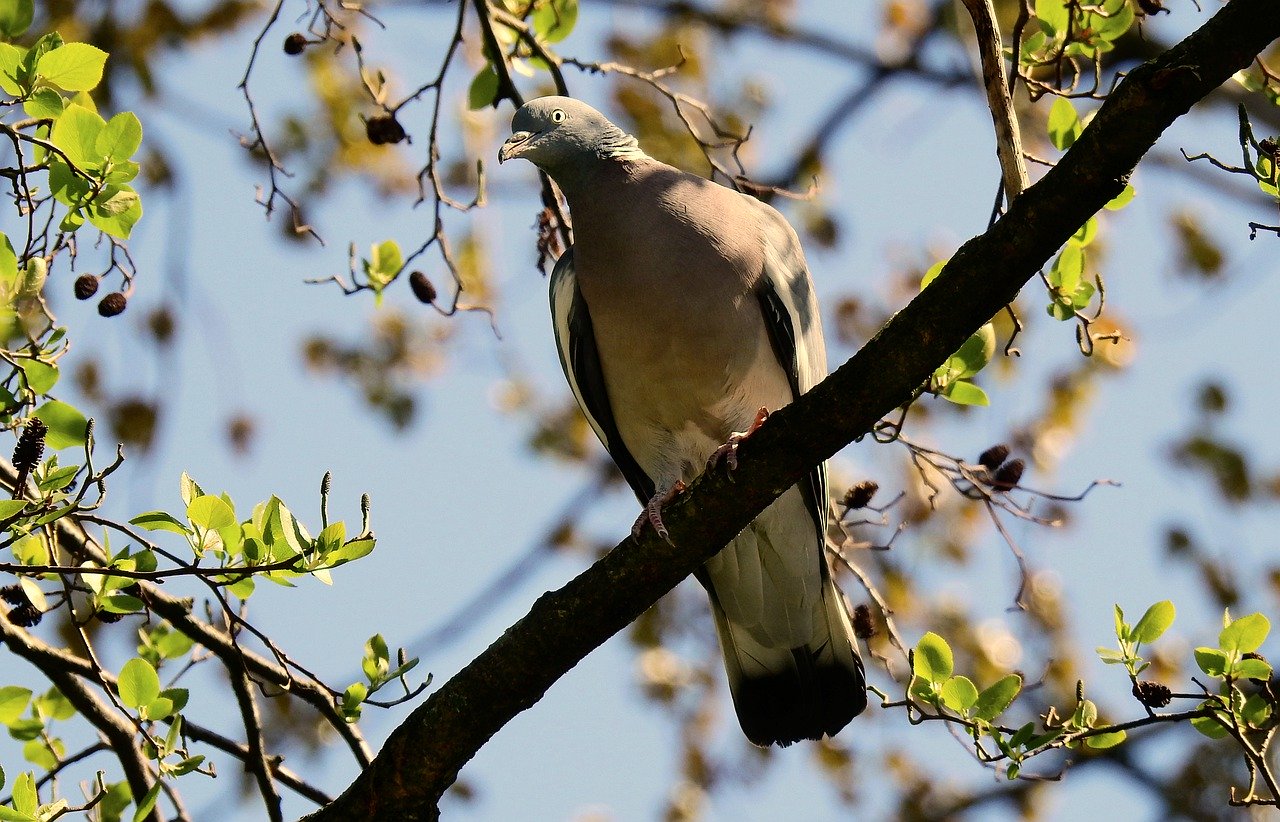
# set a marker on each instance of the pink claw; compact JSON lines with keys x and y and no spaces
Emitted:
{"x":728,"y":453}
{"x":652,"y":512}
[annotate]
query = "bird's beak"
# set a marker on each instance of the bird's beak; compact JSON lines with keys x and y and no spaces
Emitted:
{"x":511,"y":148}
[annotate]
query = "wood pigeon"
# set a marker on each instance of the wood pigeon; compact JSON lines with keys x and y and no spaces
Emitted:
{"x":683,"y":310}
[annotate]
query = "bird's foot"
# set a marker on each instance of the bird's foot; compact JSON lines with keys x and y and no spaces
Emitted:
{"x":652,"y":513}
{"x":728,"y":453}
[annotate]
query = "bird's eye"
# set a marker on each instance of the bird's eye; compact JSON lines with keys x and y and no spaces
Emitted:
{"x":557,"y":116}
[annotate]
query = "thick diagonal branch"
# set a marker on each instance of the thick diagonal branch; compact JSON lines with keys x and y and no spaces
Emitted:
{"x":422,"y":757}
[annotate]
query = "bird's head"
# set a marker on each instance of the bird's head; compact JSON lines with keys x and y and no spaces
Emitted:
{"x":551,"y":132}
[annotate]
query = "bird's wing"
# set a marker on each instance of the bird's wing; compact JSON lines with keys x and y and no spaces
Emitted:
{"x":794,"y":322}
{"x":580,"y":359}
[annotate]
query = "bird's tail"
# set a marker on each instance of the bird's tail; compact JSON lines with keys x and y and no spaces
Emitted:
{"x":783,"y":695}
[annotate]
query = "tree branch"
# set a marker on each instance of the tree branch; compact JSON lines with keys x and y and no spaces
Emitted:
{"x":422,"y":757}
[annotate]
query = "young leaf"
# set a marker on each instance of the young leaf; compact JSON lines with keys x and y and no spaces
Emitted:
{"x":554,"y":19}
{"x":1252,"y":669}
{"x":1207,"y":726}
{"x":13,"y":702}
{"x":959,"y":694}
{"x":1053,"y":15}
{"x":933,"y":659}
{"x":1154,"y":622}
{"x":73,"y":67}
{"x":139,"y":683}
{"x":121,"y":137}
{"x":963,"y":392}
{"x":1212,"y":661}
{"x":25,"y":798}
{"x":147,"y":803}
{"x":160,"y":521}
{"x":484,"y":88}
{"x":66,"y":424}
{"x":1244,"y":635}
{"x":1064,"y":123}
{"x":1121,"y":200}
{"x":1103,"y":741}
{"x":15,"y":18}
{"x":210,"y":513}
{"x":997,"y":698}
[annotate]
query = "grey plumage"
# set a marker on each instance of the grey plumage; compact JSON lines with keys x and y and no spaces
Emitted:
{"x":682,"y":309}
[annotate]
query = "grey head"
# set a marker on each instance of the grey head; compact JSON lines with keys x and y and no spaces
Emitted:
{"x":558,"y":133}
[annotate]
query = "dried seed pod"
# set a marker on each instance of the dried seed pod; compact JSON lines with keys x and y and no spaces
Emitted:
{"x":994,"y":456}
{"x":112,"y":304}
{"x":1152,"y":694}
{"x":86,"y":286}
{"x":422,"y":287}
{"x":863,"y":626}
{"x":859,"y":496}
{"x":1009,"y":475}
{"x":295,"y":43}
{"x":383,"y":129}
{"x":30,"y":448}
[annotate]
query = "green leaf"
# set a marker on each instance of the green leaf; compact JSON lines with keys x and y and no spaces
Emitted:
{"x":352,"y":699}
{"x":385,"y":262}
{"x":959,"y":694}
{"x":977,"y":351}
{"x":1067,"y":269}
{"x":25,"y":798}
{"x":1064,"y":123}
{"x":117,"y":214}
{"x":121,"y":137}
{"x":66,"y":425}
{"x":121,"y":604}
{"x":40,"y":376}
{"x":73,"y":67}
{"x":13,"y":702}
{"x":1207,"y":726}
{"x":44,"y":104}
{"x":1122,"y":627}
{"x":554,"y":19}
{"x":1053,"y":15}
{"x":996,"y":699}
{"x":1110,"y":655}
{"x":160,"y":521}
{"x":1118,"y":19}
{"x":1012,"y":771}
{"x":1252,"y":669}
{"x":932,"y":273}
{"x":76,"y":133}
{"x":37,"y":753}
{"x":1086,"y":714}
{"x":484,"y":88}
{"x":1103,"y":741}
{"x":933,"y":659}
{"x":12,"y":74}
{"x":53,"y":705}
{"x":963,"y":392}
{"x":1244,"y":635}
{"x":139,"y":683}
{"x":15,"y":17}
{"x":1154,"y":622}
{"x":1212,"y":661}
{"x":1122,"y":199}
{"x":210,"y":513}
{"x":1256,"y":710}
{"x":1085,"y":234}
{"x":10,"y":507}
{"x":147,"y":803}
